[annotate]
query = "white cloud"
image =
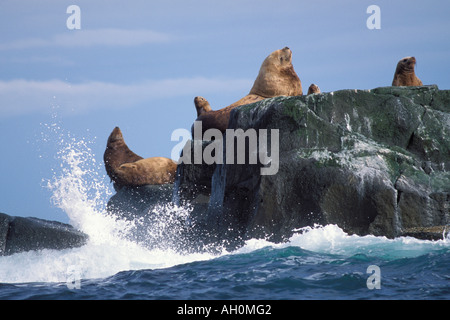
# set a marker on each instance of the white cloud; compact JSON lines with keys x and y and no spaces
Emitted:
{"x":87,"y":38}
{"x":22,"y":97}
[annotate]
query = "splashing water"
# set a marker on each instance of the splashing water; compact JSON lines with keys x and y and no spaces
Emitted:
{"x":80,"y":191}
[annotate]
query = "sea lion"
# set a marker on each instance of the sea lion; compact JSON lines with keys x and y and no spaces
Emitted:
{"x":313,"y":88}
{"x":276,"y":77}
{"x":125,"y":168}
{"x":404,"y":74}
{"x":155,"y":170}
{"x":202,"y":105}
{"x":117,"y":153}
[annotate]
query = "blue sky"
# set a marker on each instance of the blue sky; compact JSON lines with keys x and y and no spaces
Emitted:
{"x":139,"y":64}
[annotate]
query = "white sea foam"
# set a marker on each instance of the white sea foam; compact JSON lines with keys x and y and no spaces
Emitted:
{"x":331,"y":239}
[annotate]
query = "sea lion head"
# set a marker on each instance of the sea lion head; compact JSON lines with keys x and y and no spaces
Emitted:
{"x":116,"y":135}
{"x":202,"y":105}
{"x":404,"y":73}
{"x":406,"y":65}
{"x":313,"y":88}
{"x":282,"y":57}
{"x":277,"y":76}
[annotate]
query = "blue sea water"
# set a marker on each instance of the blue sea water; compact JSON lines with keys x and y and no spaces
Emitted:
{"x":320,"y":262}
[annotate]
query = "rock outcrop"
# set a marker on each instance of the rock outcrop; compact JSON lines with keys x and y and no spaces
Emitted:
{"x":19,"y":234}
{"x":371,"y":161}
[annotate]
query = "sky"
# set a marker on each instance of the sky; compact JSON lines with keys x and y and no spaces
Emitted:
{"x":139,"y":64}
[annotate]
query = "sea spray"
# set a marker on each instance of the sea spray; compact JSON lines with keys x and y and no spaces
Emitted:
{"x":79,"y":189}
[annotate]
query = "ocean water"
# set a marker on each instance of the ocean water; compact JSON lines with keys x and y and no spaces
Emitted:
{"x":320,"y":262}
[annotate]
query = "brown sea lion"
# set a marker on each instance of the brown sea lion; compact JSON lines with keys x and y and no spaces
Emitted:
{"x":117,"y":153}
{"x":313,"y":88}
{"x":276,"y":77}
{"x":125,"y":168}
{"x":155,"y":170}
{"x":405,"y":75}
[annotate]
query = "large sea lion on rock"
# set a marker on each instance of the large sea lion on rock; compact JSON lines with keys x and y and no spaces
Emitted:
{"x":276,"y":77}
{"x":125,"y":168}
{"x":405,"y":75}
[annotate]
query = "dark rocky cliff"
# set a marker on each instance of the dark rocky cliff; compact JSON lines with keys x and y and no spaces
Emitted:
{"x":371,"y":161}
